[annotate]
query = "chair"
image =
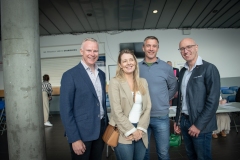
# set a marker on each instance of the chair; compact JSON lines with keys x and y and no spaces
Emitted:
{"x":234,"y":88}
{"x":231,"y":98}
{"x":221,"y":88}
{"x":226,"y":93}
{"x":3,"y":126}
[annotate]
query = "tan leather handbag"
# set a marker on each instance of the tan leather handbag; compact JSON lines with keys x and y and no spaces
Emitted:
{"x":111,"y":135}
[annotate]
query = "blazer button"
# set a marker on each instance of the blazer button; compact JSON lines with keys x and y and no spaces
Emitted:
{"x":97,"y":104}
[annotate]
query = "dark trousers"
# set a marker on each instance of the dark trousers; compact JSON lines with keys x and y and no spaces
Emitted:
{"x":93,"y":148}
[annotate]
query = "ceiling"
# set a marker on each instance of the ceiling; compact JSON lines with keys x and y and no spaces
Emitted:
{"x":82,"y":16}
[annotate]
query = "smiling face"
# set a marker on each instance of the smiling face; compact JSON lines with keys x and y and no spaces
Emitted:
{"x":89,"y":52}
{"x":150,"y":47}
{"x":189,"y":50}
{"x":128,"y":63}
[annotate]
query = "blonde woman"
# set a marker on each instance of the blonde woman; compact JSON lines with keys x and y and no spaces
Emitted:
{"x":130,"y":108}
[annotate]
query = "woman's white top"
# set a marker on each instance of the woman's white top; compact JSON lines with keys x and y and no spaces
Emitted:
{"x":136,"y":111}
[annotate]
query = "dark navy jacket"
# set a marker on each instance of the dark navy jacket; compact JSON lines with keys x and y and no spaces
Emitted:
{"x":79,"y":105}
{"x":202,"y":96}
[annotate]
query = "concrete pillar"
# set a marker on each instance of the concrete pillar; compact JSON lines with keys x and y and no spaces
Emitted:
{"x":22,"y":79}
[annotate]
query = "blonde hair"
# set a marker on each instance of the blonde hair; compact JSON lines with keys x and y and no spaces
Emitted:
{"x":138,"y":86}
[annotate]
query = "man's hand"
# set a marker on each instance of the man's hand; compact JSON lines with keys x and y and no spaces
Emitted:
{"x":176,"y":128}
{"x":78,"y":147}
{"x":193,"y":131}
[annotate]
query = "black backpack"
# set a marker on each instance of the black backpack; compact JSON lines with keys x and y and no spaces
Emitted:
{"x":238,"y":95}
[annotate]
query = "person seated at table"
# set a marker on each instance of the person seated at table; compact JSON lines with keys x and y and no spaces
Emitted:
{"x":223,"y":122}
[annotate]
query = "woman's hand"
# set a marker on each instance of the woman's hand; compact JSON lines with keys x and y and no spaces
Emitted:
{"x":137,"y":135}
{"x":130,"y":138}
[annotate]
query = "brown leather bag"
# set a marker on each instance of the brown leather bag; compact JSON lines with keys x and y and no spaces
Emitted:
{"x":111,"y":135}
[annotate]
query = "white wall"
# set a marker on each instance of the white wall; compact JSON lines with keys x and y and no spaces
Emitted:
{"x":218,"y":46}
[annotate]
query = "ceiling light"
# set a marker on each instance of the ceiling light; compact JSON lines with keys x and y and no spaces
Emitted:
{"x":155,"y":11}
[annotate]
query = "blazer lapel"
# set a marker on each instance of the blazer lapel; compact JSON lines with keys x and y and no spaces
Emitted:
{"x":102,"y":80}
{"x":128,"y":92}
{"x":194,"y":73}
{"x":87,"y":79}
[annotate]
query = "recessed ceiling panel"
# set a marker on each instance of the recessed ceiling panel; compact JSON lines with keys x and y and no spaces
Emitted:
{"x":226,"y":13}
{"x":125,"y":14}
{"x":53,"y":15}
{"x":47,"y":24}
{"x":111,"y":14}
{"x":210,"y":7}
{"x":99,"y":14}
{"x":182,"y":12}
{"x":231,"y":21}
{"x":75,"y":5}
{"x":139,"y":14}
{"x":42,"y":31}
{"x":168,"y":13}
{"x":153,"y":18}
{"x":236,"y":24}
{"x":91,"y":15}
{"x":69,"y":16}
{"x":194,"y":13}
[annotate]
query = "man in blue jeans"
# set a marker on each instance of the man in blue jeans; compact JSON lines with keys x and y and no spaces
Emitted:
{"x":162,"y":86}
{"x":198,"y":98}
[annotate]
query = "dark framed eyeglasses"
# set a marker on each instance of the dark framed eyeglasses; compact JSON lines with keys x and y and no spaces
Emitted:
{"x":187,"y":48}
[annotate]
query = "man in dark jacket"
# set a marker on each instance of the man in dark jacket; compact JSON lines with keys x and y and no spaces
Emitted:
{"x":199,"y":91}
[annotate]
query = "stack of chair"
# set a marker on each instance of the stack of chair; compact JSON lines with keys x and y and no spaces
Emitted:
{"x":3,"y":126}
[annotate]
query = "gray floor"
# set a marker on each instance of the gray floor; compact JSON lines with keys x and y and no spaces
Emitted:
{"x":58,"y":149}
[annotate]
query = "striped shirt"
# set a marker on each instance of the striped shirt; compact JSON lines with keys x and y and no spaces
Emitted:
{"x":96,"y":83}
{"x":46,"y":86}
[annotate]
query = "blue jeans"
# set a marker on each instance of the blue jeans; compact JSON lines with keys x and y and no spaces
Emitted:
{"x":160,"y":127}
{"x":134,"y":151}
{"x":197,"y":148}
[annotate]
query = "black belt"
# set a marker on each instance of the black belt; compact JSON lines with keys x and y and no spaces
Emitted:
{"x":185,"y":115}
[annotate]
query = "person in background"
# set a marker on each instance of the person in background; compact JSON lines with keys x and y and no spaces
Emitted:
{"x":175,"y":70}
{"x":238,"y":95}
{"x":173,"y":102}
{"x":198,"y":100}
{"x":130,"y":108}
{"x":162,"y":87}
{"x":223,"y":122}
{"x":47,"y":96}
{"x":83,"y":104}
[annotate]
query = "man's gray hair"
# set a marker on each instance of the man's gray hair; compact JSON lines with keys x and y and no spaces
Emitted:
{"x":88,"y":39}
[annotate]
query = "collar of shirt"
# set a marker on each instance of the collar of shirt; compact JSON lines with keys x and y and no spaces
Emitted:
{"x":88,"y":68}
{"x":198,"y":62}
{"x":157,"y":61}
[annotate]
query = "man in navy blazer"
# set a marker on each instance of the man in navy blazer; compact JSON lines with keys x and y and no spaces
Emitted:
{"x":198,"y":98}
{"x":83,"y":104}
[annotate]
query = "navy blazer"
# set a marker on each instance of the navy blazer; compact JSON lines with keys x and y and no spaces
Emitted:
{"x":202,"y":96}
{"x":79,"y":105}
